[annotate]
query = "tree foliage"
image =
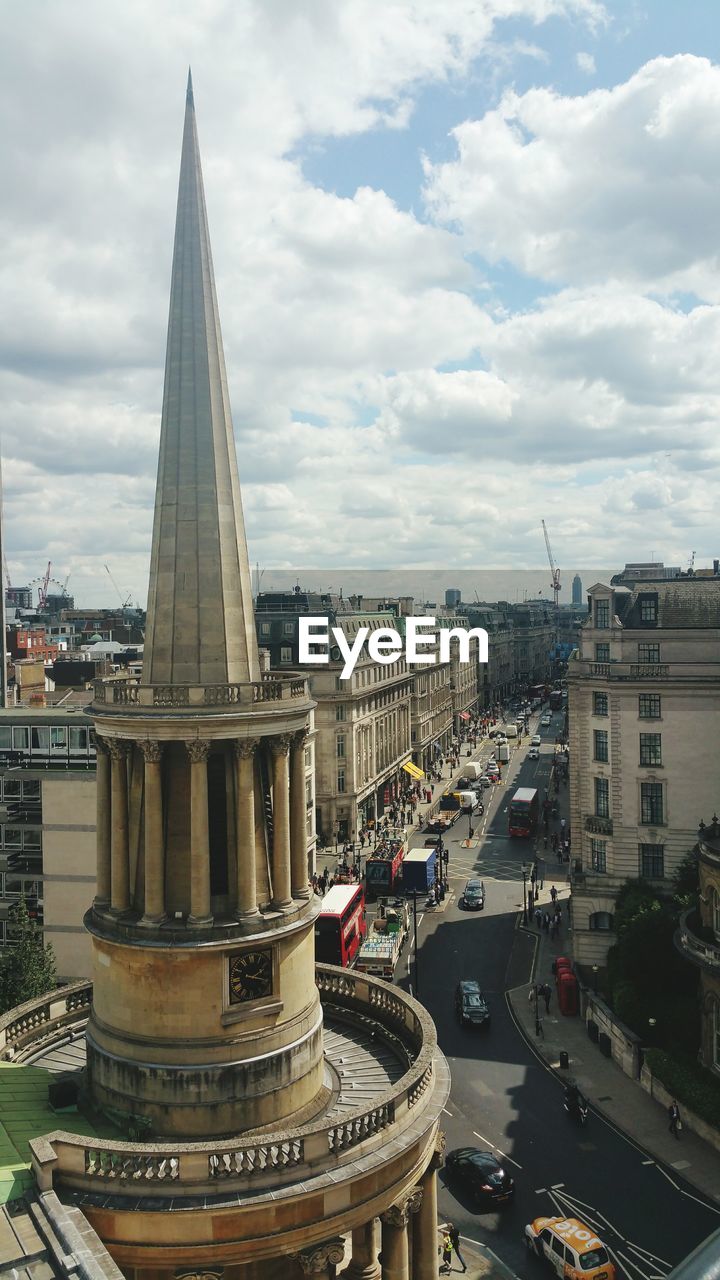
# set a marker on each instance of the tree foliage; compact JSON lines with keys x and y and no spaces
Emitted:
{"x":28,"y":968}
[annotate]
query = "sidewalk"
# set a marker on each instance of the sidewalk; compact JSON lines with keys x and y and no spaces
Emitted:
{"x":481,"y":1262}
{"x":619,"y":1099}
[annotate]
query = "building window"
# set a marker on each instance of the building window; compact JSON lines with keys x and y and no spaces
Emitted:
{"x":652,"y":861}
{"x":602,"y":614}
{"x":602,"y":798}
{"x":600,"y":704}
{"x":78,"y":739}
{"x":340,"y":746}
{"x":648,"y":653}
{"x":339,"y":711}
{"x":650,"y":748}
{"x":40,"y":739}
{"x":20,"y":738}
{"x":598,"y":855}
{"x":649,"y":706}
{"x":264,"y":628}
{"x":600,"y":745}
{"x":341,"y":781}
{"x":5,"y":738}
{"x":651,"y":804}
{"x":648,"y":609}
{"x":602,"y":652}
{"x":58,"y":737}
{"x":285,"y":653}
{"x":601,"y":920}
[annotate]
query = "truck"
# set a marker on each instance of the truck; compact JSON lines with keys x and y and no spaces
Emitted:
{"x":379,"y":952}
{"x":419,"y":870}
{"x":503,"y":752}
{"x":473,"y":770}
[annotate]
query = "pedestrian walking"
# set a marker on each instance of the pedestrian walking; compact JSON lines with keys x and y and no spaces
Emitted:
{"x":546,"y":993}
{"x":446,"y":1253}
{"x":538,"y":917}
{"x":455,"y":1239}
{"x":553,"y":895}
{"x":546,"y":922}
{"x":675,"y":1124}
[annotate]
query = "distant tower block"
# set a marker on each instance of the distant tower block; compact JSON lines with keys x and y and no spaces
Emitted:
{"x":577,"y":592}
{"x":453,"y":597}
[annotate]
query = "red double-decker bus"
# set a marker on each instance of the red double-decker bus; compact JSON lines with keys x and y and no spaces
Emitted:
{"x":340,"y":928}
{"x":524,"y":812}
{"x":384,"y":865}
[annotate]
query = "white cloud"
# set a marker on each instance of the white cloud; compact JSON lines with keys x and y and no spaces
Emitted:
{"x":586,"y":63}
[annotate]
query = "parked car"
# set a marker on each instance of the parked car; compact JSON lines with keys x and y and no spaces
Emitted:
{"x":535,"y":740}
{"x":471,"y":1005}
{"x":484,"y":1176}
{"x":473,"y":897}
{"x":573,"y":1249}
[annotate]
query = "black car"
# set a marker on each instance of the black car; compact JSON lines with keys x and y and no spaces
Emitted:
{"x":471,"y":1005}
{"x":473,"y":898}
{"x":484,"y":1176}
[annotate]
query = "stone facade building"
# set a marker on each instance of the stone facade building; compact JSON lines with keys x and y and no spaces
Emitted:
{"x":698,"y":940}
{"x":644,"y":705}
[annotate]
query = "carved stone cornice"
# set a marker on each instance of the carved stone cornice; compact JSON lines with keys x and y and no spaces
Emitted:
{"x":118,"y":749}
{"x":399,"y":1213}
{"x":198,"y":750}
{"x":437,"y":1159}
{"x":280,"y":746}
{"x":319,"y":1257}
{"x":152,"y":751}
{"x":244,"y":748}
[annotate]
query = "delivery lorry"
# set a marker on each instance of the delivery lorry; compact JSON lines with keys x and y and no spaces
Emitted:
{"x":419,"y":870}
{"x":473,"y":770}
{"x":503,"y":752}
{"x":379,"y":952}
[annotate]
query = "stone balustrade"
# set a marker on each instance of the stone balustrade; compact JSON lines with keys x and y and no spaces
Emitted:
{"x":248,"y":1162}
{"x":700,"y":951}
{"x":122,"y":692}
{"x":46,"y":1017}
{"x":684,"y":672}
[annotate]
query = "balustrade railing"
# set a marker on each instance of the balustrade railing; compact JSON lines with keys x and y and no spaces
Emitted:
{"x":89,"y":1164}
{"x":701,"y":950}
{"x":121,"y":692}
{"x":599,"y":826}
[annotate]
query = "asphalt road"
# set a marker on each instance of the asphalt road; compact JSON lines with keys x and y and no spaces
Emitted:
{"x":503,"y":1097}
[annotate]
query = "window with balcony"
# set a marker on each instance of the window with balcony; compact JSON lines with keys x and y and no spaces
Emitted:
{"x":648,"y":653}
{"x":602,"y":798}
{"x":649,"y":706}
{"x":602,"y":652}
{"x":285,"y":653}
{"x":651,"y":804}
{"x":648,"y":609}
{"x":650,"y":748}
{"x":602,"y":614}
{"x":598,"y":856}
{"x":12,"y":789}
{"x":600,"y":745}
{"x":58,"y":736}
{"x":651,"y":861}
{"x":600,"y":704}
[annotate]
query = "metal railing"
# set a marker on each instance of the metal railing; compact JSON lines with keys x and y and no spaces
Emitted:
{"x":599,"y":826}
{"x":131,"y":693}
{"x":163,"y":1168}
{"x":698,"y":949}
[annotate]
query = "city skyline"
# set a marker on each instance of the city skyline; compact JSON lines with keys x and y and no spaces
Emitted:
{"x":443,"y":323}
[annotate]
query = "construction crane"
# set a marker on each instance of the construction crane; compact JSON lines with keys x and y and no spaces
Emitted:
{"x":555,"y":585}
{"x":125,"y":603}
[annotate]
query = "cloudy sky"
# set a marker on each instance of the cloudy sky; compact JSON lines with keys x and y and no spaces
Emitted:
{"x":467,"y":263}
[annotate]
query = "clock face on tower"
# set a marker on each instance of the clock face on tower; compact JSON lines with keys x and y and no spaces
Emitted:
{"x":251,"y":976}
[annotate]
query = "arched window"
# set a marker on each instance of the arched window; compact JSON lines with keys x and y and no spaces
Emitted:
{"x":602,"y":920}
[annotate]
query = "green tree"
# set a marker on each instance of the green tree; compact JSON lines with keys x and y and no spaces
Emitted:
{"x":686,"y":881}
{"x":28,"y":968}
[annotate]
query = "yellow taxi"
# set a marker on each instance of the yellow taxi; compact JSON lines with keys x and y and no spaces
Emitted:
{"x":572,"y":1248}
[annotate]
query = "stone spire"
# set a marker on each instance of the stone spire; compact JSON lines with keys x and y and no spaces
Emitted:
{"x":200,"y":624}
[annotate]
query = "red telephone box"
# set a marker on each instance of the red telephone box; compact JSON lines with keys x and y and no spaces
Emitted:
{"x":567,"y":990}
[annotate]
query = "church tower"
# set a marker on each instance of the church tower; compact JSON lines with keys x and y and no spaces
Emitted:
{"x":206,"y":1018}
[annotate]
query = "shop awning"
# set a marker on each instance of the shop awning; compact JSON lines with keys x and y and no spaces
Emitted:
{"x":413,"y":770}
{"x":464,"y":715}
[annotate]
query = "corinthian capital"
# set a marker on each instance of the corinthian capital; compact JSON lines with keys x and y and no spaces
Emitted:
{"x":118,"y":749}
{"x":398,"y":1214}
{"x":244,"y":748}
{"x":281,"y":745}
{"x":319,"y":1257}
{"x":152,"y":751}
{"x":100,"y":744}
{"x":198,"y":750}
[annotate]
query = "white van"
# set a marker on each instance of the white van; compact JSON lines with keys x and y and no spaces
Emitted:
{"x":473,"y":770}
{"x":510,"y":730}
{"x":468,"y":799}
{"x":503,"y":752}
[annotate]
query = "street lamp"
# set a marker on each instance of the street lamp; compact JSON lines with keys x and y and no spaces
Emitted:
{"x":652,"y":1023}
{"x":595,"y":974}
{"x":524,"y":876}
{"x":415,"y":945}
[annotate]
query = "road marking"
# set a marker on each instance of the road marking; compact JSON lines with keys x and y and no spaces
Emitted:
{"x":680,"y":1164}
{"x":447,"y":1113}
{"x":648,"y":1161}
{"x":541,"y":1191}
{"x":651,"y":1256}
{"x":557,"y":1186}
{"x":665,"y":1174}
{"x":505,"y":1157}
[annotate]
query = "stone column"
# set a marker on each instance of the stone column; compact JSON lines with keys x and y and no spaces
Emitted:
{"x":282,"y":898}
{"x":119,"y":843}
{"x":154,"y":835}
{"x":198,"y":752}
{"x":395,"y":1254}
{"x":104,"y":831}
{"x":365,"y":1249}
{"x":321,"y":1259}
{"x":298,"y":818}
{"x":245,"y":828}
{"x":425,"y":1229}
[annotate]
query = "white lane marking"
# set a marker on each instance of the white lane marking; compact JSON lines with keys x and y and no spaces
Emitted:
{"x":648,"y":1161}
{"x":447,"y":1113}
{"x":665,"y":1174}
{"x":557,"y":1186}
{"x":482,"y":1138}
{"x":504,"y":1157}
{"x":540,"y":1191}
{"x":652,"y":1257}
{"x":628,"y":1262}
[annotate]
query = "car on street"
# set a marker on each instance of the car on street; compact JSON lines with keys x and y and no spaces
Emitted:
{"x":500,"y":737}
{"x":546,"y":722}
{"x":533,"y":753}
{"x":484,"y":1176}
{"x":484,"y":781}
{"x":536,"y":740}
{"x":573,"y":1250}
{"x":470,"y":1004}
{"x":473,"y":896}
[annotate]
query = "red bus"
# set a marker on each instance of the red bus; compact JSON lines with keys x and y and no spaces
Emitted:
{"x":384,"y":865}
{"x":340,"y":928}
{"x":556,"y":699}
{"x":524,"y":812}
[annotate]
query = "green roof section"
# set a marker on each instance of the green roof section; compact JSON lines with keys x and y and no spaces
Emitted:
{"x":25,"y":1114}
